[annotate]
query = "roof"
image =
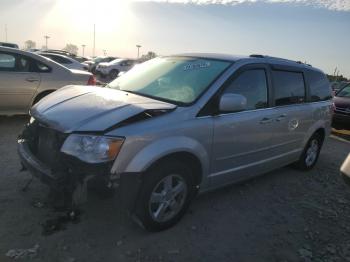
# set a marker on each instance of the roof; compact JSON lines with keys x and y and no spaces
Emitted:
{"x":253,"y":58}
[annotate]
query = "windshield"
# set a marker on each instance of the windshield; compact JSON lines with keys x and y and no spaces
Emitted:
{"x":345,"y":92}
{"x":180,"y":80}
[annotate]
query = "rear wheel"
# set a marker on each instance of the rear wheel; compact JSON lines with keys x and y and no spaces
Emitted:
{"x":165,"y":195}
{"x":311,"y":152}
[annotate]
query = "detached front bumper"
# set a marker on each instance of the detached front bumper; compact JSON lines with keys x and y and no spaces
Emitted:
{"x":71,"y":185}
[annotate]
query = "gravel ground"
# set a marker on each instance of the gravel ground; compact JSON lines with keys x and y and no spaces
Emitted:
{"x":285,"y":215}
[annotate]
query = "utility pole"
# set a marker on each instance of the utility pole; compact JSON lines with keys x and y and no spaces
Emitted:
{"x":5,"y":32}
{"x":46,"y":38}
{"x":138,"y":50}
{"x":83,"y":46}
{"x":93,"y":49}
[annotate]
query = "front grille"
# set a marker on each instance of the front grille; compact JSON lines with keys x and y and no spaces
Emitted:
{"x":45,"y":143}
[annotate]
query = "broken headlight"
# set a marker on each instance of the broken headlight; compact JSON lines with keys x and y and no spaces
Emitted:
{"x":91,"y":148}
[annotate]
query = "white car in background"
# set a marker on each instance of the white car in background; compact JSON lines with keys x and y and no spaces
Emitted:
{"x":113,"y":68}
{"x":64,"y":60}
{"x":26,"y":77}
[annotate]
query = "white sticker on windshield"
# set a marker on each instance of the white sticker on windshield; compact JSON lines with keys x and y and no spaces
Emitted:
{"x":196,"y":66}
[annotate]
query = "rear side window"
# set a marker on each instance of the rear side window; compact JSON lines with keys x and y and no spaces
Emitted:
{"x":319,"y":87}
{"x":252,"y":85}
{"x":289,"y":87}
{"x":41,"y":68}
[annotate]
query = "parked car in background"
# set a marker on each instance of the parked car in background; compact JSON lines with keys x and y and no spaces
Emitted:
{"x":336,"y":86}
{"x":341,"y":117}
{"x":113,"y":68}
{"x":177,"y":125}
{"x":26,"y":77}
{"x":65,"y":53}
{"x":64,"y":60}
{"x":92,"y":64}
{"x":11,"y":45}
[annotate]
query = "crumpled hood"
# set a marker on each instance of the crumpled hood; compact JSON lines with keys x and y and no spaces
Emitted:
{"x":91,"y":109}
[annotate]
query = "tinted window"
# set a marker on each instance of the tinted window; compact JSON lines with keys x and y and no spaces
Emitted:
{"x":7,"y":62}
{"x":289,"y":87}
{"x":319,"y":86}
{"x":253,"y":85}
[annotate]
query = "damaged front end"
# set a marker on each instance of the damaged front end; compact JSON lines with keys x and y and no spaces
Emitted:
{"x":39,"y":148}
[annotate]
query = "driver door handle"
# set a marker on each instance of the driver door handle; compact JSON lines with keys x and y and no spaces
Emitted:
{"x":32,"y":79}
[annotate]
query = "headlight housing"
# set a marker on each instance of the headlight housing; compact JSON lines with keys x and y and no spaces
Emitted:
{"x":92,"y":148}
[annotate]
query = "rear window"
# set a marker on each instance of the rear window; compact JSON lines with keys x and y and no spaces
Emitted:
{"x":289,"y":87}
{"x":319,"y":87}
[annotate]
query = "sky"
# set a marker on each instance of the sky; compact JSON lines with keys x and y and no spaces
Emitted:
{"x":315,"y":31}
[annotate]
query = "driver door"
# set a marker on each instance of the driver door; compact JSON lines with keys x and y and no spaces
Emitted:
{"x":242,"y":140}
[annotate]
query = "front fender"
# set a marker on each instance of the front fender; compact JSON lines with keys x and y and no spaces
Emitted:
{"x":166,"y":146}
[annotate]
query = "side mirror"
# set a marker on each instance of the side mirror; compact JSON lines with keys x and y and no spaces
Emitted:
{"x":232,"y":103}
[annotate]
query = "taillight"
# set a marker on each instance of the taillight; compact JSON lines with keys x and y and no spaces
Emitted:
{"x":91,"y":81}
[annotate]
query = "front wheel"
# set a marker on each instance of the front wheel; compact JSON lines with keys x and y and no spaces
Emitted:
{"x":165,"y":195}
{"x":308,"y":158}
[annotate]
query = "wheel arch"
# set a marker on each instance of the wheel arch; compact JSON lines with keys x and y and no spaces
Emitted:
{"x":42,"y":94}
{"x":320,"y":127}
{"x":186,"y":157}
{"x":184,"y":149}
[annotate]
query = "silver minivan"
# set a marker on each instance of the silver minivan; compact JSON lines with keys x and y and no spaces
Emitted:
{"x":176,"y":126}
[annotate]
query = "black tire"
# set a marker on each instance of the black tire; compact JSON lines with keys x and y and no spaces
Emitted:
{"x":306,"y":162}
{"x":152,"y":180}
{"x":113,"y":74}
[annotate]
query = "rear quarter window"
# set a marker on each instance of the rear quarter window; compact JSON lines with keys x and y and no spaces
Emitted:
{"x":319,"y":86}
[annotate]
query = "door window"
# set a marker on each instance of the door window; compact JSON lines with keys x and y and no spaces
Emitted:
{"x":7,"y":62}
{"x":252,"y":84}
{"x":289,"y":87}
{"x":23,"y":64}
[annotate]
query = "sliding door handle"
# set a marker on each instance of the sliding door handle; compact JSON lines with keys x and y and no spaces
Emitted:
{"x":265,"y":120}
{"x":281,"y":117}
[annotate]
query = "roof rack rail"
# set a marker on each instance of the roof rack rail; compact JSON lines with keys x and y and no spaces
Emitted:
{"x":302,"y":63}
{"x":257,"y":56}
